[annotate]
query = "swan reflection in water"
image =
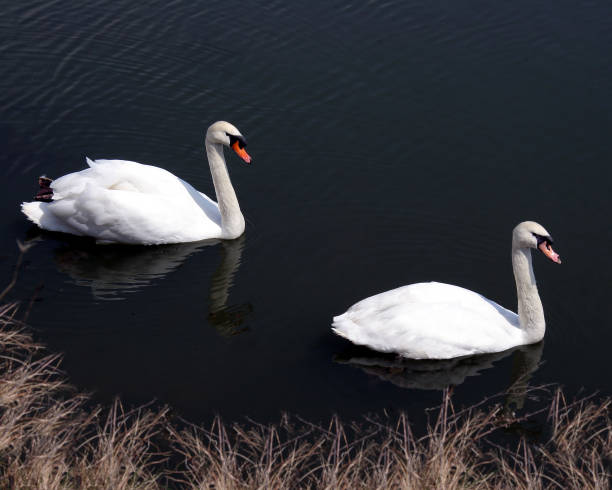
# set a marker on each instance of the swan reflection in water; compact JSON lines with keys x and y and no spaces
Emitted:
{"x":440,"y":374}
{"x":115,"y":271}
{"x":226,"y":319}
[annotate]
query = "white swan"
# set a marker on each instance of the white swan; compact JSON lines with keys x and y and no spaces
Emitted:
{"x":117,"y":201}
{"x":440,"y":321}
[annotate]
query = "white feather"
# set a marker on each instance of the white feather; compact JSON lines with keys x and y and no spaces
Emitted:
{"x":118,"y":201}
{"x":430,"y":321}
{"x":127,"y":202}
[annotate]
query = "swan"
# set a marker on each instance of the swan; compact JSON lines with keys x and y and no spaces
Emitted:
{"x":441,"y":321}
{"x":117,"y":201}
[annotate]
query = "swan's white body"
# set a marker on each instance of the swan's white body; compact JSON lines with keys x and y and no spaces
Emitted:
{"x":440,"y":321}
{"x":430,"y":321}
{"x":117,"y":201}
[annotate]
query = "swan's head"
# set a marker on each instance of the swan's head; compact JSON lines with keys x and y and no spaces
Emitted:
{"x":530,"y":234}
{"x":227,"y":134}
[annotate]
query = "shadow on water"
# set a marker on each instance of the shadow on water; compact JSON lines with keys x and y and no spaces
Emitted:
{"x":440,"y":374}
{"x":227,"y":319}
{"x":114,"y":271}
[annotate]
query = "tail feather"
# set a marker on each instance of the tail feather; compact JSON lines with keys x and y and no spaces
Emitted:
{"x":33,"y":211}
{"x":342,"y":325}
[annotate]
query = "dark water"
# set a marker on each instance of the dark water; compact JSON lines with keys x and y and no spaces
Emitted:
{"x":393,"y":142}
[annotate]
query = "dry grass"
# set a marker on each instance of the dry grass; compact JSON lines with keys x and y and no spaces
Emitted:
{"x":454,"y":453}
{"x":51,"y":438}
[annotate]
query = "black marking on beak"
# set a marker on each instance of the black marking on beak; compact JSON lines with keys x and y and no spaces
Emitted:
{"x":548,"y":239}
{"x":240,"y":139}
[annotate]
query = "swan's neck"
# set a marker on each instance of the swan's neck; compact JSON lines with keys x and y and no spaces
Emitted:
{"x":530,"y":311}
{"x":232,"y":221}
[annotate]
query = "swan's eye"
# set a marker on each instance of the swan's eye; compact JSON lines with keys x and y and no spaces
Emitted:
{"x":240,"y":139}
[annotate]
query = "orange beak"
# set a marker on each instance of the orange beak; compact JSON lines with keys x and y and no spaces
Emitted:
{"x":547,"y":250}
{"x":241,"y":152}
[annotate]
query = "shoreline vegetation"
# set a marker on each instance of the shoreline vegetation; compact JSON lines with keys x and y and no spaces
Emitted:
{"x":51,"y":438}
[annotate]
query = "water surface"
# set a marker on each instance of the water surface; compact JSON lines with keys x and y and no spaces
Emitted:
{"x":393,"y":142}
